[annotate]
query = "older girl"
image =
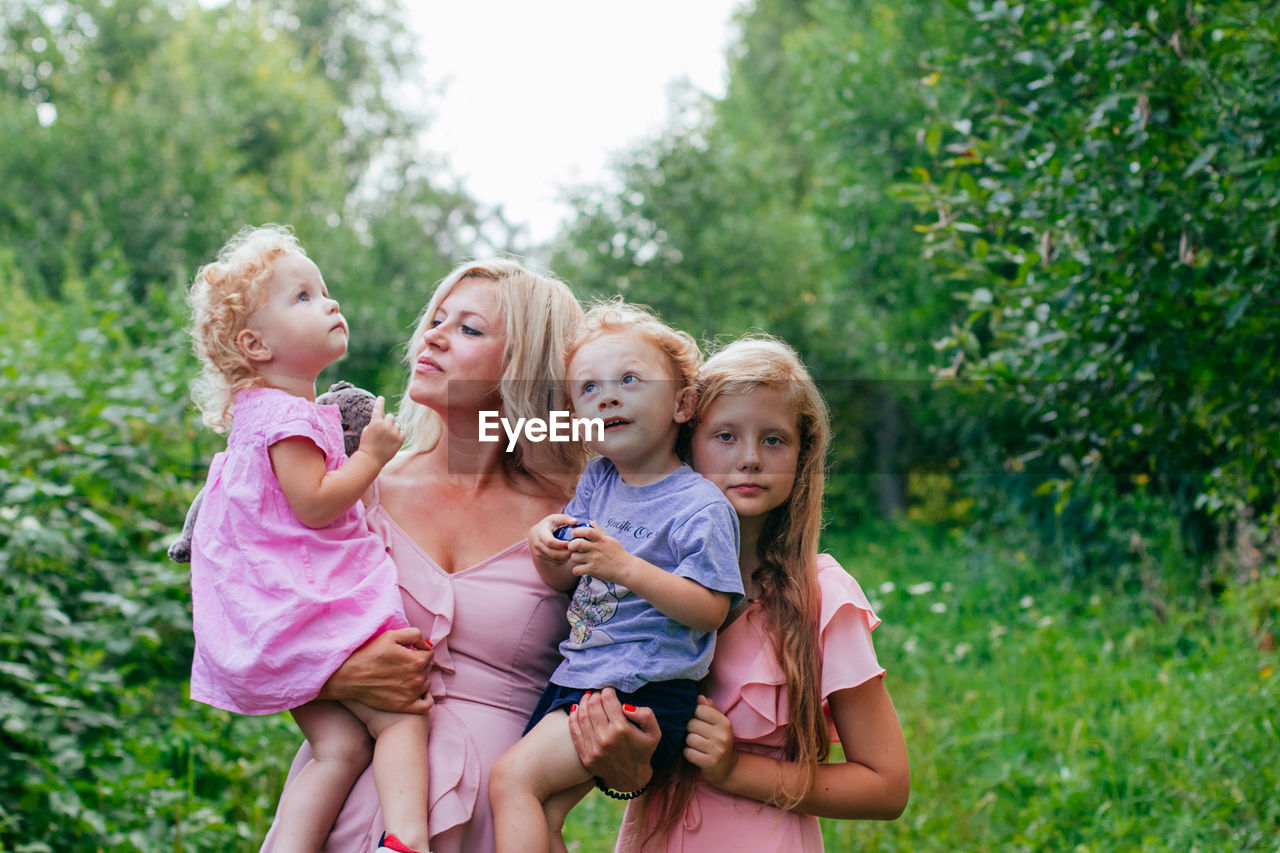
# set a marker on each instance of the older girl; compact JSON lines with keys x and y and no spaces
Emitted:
{"x":798,"y":648}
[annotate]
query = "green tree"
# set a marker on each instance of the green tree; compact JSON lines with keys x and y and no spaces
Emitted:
{"x":768,"y":209}
{"x":1106,"y":201}
{"x":148,"y":132}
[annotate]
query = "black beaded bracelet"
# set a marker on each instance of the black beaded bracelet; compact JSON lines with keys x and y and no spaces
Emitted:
{"x":618,"y":795}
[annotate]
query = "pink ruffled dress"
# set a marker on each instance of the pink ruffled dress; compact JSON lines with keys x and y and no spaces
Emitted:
{"x":278,"y":606}
{"x":747,"y":684}
{"x":495,"y":629}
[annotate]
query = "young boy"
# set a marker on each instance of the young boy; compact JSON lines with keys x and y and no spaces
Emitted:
{"x":656,"y":569}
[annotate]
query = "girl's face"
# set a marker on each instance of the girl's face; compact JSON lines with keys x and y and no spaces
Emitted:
{"x":627,"y":382}
{"x":458,"y":360}
{"x":300,"y":325}
{"x":749,"y":446}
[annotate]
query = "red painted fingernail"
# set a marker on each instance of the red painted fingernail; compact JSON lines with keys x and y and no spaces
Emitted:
{"x":572,"y":708}
{"x":628,"y":707}
{"x":430,"y":644}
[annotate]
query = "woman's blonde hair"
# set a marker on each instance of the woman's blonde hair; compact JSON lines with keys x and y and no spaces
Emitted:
{"x":224,"y":295}
{"x":787,"y":550}
{"x":539,"y":314}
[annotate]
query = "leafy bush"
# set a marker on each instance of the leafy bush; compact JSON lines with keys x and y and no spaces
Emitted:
{"x":101,"y":750}
{"x":1103,"y":199}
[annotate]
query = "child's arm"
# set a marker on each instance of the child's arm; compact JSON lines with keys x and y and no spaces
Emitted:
{"x":318,"y":496}
{"x":598,"y":554}
{"x":551,"y":555}
{"x":871,"y":783}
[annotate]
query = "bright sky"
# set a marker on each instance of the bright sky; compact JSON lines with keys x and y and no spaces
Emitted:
{"x":540,"y":93}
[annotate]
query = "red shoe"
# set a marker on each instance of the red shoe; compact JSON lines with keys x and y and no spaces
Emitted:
{"x":391,"y":844}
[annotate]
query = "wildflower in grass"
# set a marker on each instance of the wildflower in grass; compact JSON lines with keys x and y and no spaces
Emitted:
{"x":887,"y":587}
{"x":938,"y":607}
{"x":921,"y":588}
{"x":1026,"y":601}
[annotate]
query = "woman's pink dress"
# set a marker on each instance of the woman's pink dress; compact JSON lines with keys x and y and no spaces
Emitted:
{"x":278,"y":606}
{"x":496,"y":629}
{"x":747,"y":684}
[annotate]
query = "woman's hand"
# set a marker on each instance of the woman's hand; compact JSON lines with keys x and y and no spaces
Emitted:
{"x":389,"y":672}
{"x":709,"y":742}
{"x":615,"y":741}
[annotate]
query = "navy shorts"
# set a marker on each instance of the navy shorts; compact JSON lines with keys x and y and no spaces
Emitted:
{"x":673,"y":703}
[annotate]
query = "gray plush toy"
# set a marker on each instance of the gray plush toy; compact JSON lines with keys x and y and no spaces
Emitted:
{"x":355,"y":405}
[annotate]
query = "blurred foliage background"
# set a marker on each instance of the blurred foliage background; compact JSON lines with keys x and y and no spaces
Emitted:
{"x":1030,"y":250}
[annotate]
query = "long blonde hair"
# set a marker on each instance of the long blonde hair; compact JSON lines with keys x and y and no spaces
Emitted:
{"x":225,"y":294}
{"x":539,"y":314}
{"x":787,"y":551}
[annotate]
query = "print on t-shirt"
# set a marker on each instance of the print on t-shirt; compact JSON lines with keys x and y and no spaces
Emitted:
{"x":594,"y":604}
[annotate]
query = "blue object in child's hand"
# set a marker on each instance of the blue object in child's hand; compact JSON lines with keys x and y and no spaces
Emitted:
{"x":566,"y":532}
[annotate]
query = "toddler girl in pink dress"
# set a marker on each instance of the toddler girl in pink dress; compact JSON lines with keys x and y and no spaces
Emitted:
{"x":287,"y":580}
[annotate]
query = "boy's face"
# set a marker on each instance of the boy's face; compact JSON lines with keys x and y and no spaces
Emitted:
{"x":628,"y":383}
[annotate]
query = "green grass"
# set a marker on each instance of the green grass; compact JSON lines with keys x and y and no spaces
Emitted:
{"x":1041,"y":717}
{"x":1038,"y":717}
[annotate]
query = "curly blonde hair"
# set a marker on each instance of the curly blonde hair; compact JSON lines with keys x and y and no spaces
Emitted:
{"x":618,"y":317}
{"x":224,"y":295}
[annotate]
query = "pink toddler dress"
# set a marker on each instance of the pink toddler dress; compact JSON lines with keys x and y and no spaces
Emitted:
{"x":495,"y":627}
{"x":748,"y":686}
{"x":277,"y":606}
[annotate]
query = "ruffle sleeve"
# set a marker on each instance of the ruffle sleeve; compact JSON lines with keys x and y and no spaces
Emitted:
{"x":747,"y":682}
{"x":848,"y":655}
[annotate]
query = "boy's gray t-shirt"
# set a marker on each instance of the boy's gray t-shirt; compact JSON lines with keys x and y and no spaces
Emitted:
{"x":682,"y":524}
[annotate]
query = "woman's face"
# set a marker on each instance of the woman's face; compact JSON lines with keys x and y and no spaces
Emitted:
{"x":749,"y":446}
{"x":458,"y":360}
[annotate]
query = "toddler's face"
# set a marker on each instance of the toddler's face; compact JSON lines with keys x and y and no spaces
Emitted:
{"x":628,"y":383}
{"x":749,"y":446}
{"x":302,"y":326}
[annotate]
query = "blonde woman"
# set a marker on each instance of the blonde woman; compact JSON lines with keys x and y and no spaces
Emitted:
{"x":454,"y":512}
